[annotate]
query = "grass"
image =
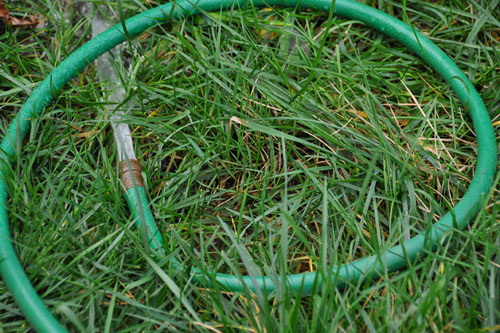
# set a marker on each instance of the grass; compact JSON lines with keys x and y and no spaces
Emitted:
{"x":275,"y":141}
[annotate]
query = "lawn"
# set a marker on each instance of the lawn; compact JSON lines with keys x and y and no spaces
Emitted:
{"x":273,"y":141}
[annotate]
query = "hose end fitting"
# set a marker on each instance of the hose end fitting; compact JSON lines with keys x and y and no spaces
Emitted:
{"x":131,"y":174}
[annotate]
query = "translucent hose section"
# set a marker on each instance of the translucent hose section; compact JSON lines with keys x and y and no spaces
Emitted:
{"x":393,"y":259}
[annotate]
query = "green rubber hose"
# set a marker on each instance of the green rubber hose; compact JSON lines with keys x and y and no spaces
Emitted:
{"x":393,"y":259}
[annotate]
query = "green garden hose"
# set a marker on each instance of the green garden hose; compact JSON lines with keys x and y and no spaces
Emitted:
{"x":395,"y":258}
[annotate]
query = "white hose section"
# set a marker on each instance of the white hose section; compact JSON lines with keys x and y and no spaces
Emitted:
{"x":108,"y":70}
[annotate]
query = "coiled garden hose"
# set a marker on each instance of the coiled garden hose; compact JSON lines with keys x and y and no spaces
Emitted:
{"x":393,"y":259}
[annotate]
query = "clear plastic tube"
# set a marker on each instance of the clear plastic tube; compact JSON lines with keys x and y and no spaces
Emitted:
{"x":368,"y":267}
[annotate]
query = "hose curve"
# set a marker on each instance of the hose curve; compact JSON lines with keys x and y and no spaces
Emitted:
{"x":393,"y":259}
